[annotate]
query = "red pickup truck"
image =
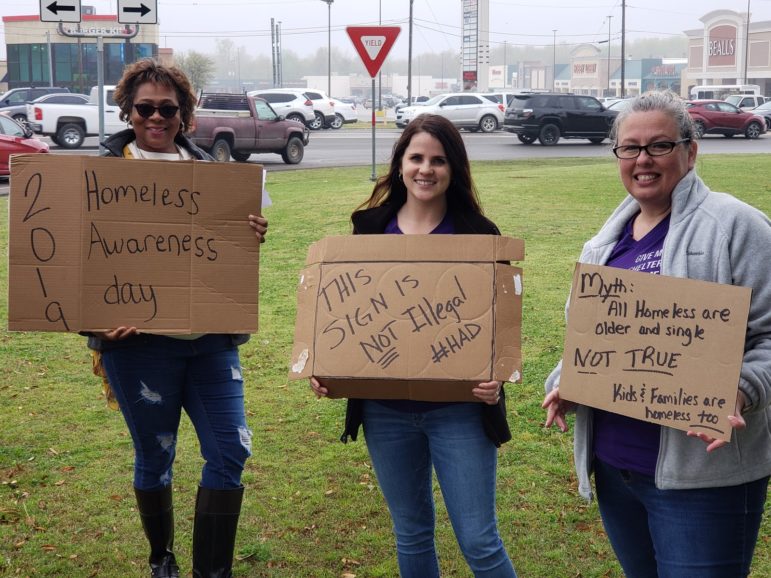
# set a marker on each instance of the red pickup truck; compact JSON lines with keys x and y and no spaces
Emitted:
{"x":237,"y":125}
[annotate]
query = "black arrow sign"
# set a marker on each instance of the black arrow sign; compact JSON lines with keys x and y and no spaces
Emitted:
{"x":56,"y":8}
{"x":142,"y":9}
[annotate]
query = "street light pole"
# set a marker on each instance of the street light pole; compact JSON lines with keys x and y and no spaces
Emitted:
{"x":554,"y":62}
{"x":329,"y":46}
{"x":409,"y":62}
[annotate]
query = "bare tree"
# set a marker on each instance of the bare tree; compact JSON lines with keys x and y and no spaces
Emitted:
{"x":198,"y":67}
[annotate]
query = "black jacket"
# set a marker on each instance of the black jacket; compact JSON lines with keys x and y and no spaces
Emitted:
{"x":374,"y":221}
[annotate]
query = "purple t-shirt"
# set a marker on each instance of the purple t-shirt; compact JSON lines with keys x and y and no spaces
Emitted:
{"x":621,"y":441}
{"x":446,"y":227}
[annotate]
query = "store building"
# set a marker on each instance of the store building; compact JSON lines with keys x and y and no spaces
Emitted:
{"x":723,"y":52}
{"x":50,"y":53}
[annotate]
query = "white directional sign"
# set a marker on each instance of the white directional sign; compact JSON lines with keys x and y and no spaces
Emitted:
{"x":138,"y":11}
{"x":60,"y":10}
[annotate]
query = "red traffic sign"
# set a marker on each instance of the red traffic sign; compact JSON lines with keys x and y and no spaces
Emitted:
{"x":373,"y":43}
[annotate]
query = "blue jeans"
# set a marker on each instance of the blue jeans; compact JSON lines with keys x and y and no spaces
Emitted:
{"x":403,"y":447}
{"x":155,"y":379}
{"x":699,"y":533}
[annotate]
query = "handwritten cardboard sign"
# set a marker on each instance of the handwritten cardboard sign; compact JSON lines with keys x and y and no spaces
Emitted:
{"x":96,"y":243}
{"x":660,"y":349}
{"x":409,"y":316}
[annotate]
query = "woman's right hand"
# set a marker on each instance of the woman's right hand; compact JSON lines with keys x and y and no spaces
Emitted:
{"x":556,"y":409}
{"x":317,"y":388}
{"x":116,"y":334}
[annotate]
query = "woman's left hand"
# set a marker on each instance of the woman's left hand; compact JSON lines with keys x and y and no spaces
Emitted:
{"x":489,"y":392}
{"x":260,"y":226}
{"x":736,"y":420}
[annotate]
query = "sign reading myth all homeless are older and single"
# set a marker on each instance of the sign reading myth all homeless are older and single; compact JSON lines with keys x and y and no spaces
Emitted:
{"x":660,"y":349}
{"x":97,"y":243}
{"x":409,"y":316}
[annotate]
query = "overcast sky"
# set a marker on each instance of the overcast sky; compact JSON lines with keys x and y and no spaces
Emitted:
{"x":196,"y":24}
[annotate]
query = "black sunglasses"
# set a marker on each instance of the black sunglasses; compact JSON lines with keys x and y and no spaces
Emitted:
{"x":147,"y":110}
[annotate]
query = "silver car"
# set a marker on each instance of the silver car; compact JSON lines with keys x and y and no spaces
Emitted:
{"x":467,"y":110}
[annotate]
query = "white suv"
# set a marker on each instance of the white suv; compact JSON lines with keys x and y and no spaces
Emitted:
{"x":468,"y":110}
{"x":292,"y":106}
{"x":323,"y":107}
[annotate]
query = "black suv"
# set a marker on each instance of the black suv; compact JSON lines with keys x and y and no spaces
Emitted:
{"x":550,"y":116}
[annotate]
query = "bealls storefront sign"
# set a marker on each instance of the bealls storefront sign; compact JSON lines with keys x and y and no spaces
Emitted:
{"x":721,"y":46}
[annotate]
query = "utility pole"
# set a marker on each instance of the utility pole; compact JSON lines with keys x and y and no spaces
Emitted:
{"x":554,"y":62}
{"x":623,"y":42}
{"x":609,"y":17}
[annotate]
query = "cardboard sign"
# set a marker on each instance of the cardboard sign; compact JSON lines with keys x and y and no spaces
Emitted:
{"x":423,"y":317}
{"x":96,"y":243}
{"x":660,"y":349}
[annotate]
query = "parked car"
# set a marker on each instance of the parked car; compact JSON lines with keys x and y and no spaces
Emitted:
{"x":720,"y":117}
{"x":345,"y":113}
{"x":68,"y":125}
{"x":16,"y":99}
{"x":323,"y":107}
{"x":746,"y":102}
{"x":416,"y":101}
{"x":16,"y":138}
{"x":292,"y":105}
{"x":551,"y":116}
{"x":242,"y":125}
{"x":619,"y":104}
{"x":764,"y":110}
{"x":466,"y":110}
{"x":503,"y":97}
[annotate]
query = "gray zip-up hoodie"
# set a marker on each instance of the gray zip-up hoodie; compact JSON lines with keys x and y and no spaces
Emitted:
{"x":713,"y":237}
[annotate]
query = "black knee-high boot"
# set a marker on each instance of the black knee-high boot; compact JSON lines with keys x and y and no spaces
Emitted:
{"x":214,"y":532}
{"x":157,"y":514}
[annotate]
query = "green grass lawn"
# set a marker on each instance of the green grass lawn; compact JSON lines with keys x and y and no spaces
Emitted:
{"x":312,"y":506}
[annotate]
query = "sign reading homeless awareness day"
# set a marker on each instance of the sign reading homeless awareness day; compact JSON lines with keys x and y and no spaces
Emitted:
{"x":409,"y":316}
{"x":660,"y":349}
{"x":96,"y":243}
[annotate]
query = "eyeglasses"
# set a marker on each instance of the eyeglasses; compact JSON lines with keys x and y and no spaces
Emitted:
{"x":147,"y":110}
{"x":654,"y":149}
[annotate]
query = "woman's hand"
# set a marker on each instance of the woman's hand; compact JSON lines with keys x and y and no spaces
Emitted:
{"x":736,"y":420}
{"x":260,"y":226}
{"x":556,"y":408}
{"x":317,"y":388}
{"x":116,"y":334}
{"x":489,"y":392}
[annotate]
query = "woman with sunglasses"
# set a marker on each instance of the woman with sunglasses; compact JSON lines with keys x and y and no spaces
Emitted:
{"x":154,"y":377}
{"x":677,"y":504}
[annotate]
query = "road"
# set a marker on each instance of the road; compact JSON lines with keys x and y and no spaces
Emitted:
{"x":353,"y":147}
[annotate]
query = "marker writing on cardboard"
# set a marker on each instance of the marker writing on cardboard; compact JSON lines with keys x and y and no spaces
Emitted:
{"x":172,"y":244}
{"x":343,"y":286}
{"x":430,"y":314}
{"x":593,"y":285}
{"x":43,"y":246}
{"x":127,"y":293}
{"x":98,"y":197}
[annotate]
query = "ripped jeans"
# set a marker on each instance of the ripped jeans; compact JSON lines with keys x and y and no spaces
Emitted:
{"x":156,"y":377}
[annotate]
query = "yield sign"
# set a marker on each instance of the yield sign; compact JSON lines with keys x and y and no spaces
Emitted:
{"x":373,"y":43}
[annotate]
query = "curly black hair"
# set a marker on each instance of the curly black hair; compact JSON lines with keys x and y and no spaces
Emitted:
{"x":148,"y":70}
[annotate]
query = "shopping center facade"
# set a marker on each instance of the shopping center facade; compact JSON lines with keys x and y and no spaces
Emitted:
{"x":724,"y":51}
